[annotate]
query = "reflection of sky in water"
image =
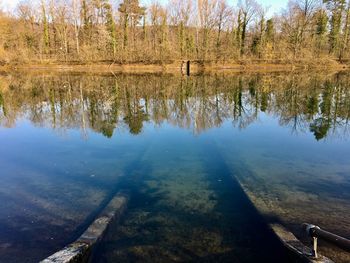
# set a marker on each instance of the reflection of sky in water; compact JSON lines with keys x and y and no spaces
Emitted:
{"x":52,"y":183}
{"x":177,"y":164}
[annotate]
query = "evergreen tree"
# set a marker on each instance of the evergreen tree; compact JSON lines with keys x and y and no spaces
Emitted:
{"x":132,"y":13}
{"x":321,"y":29}
{"x":270,"y":30}
{"x":111,"y":27}
{"x":337,"y":9}
{"x":46,"y":36}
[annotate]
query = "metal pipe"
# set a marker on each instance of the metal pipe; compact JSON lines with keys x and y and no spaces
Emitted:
{"x":316,"y":232}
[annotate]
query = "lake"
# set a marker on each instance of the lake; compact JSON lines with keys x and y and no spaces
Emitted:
{"x":208,"y":160}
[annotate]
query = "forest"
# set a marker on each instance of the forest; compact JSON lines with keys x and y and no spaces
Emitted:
{"x":125,"y":31}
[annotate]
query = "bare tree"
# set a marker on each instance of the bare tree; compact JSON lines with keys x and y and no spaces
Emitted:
{"x":297,"y":22}
{"x":248,"y":10}
{"x":223,"y":14}
{"x":206,"y":23}
{"x":179,"y":16}
{"x":75,"y":16}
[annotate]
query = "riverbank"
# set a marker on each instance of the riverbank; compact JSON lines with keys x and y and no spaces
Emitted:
{"x":195,"y":67}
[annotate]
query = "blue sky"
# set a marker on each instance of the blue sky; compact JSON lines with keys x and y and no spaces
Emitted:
{"x":275,"y":5}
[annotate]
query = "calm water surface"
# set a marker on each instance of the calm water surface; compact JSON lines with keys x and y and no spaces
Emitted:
{"x":208,"y":161}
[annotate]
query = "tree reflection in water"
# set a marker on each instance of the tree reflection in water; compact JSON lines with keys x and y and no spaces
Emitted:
{"x":315,"y":103}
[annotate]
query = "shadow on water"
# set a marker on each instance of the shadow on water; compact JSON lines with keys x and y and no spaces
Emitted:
{"x":133,"y":165}
{"x":158,"y":229}
{"x":247,"y":229}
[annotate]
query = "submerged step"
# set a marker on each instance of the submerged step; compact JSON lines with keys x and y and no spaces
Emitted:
{"x":80,"y":250}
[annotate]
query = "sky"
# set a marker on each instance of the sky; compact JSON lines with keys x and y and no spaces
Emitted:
{"x":274,"y":5}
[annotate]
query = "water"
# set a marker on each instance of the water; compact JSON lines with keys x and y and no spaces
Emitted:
{"x":208,"y":161}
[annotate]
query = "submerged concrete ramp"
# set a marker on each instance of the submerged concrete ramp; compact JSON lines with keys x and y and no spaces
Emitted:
{"x":81,"y":250}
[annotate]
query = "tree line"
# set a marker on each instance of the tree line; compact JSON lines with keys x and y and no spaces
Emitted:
{"x":204,"y":30}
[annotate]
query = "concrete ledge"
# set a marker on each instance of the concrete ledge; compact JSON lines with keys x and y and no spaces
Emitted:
{"x":296,"y":247}
{"x":81,"y":250}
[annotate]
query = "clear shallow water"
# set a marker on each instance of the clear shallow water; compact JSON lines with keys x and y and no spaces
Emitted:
{"x":182,"y":147}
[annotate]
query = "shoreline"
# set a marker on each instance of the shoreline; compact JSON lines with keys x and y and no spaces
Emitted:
{"x":178,"y":67}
